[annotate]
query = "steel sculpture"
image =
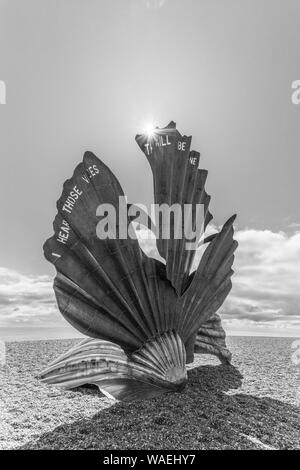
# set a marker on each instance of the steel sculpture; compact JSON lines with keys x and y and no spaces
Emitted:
{"x":144,"y":319}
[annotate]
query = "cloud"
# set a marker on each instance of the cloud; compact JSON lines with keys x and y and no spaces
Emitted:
{"x":266,"y":284}
{"x":294,"y":225}
{"x":265,"y":297}
{"x":26,"y":300}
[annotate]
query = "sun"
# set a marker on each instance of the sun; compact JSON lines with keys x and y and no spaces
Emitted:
{"x":149,"y":130}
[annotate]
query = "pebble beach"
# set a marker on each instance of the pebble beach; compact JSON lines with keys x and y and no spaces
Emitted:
{"x":252,"y":404}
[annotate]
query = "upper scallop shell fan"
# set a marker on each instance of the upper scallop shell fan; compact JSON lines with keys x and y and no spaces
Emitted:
{"x":144,"y":318}
{"x":177,"y":181}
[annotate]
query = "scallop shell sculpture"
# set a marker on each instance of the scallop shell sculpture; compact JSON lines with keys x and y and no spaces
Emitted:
{"x":144,"y":319}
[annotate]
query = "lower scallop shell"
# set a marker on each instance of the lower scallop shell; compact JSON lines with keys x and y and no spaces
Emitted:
{"x":157,"y":367}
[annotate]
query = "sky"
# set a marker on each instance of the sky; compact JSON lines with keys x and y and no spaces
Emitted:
{"x":89,"y":75}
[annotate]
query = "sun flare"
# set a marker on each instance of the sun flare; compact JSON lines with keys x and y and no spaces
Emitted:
{"x":149,"y":130}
